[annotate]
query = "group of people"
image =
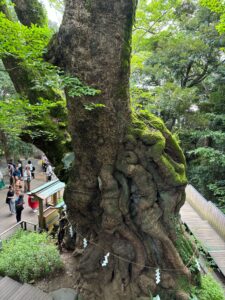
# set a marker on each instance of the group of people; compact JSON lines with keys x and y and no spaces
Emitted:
{"x":20,"y":182}
{"x":20,"y":179}
{"x":17,"y":174}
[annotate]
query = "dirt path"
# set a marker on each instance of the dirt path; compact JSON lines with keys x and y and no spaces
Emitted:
{"x":66,"y":278}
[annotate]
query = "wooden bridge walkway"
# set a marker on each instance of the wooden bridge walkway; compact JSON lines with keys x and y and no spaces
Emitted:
{"x":211,"y":240}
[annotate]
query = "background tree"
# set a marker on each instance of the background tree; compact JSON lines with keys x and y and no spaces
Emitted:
{"x":33,"y":80}
{"x":178,"y":66}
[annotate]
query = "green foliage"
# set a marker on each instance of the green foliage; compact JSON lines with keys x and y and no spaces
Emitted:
{"x":6,"y":86}
{"x":186,"y":250}
{"x":178,"y":74}
{"x":205,"y":169}
{"x":28,"y":256}
{"x":27,"y":43}
{"x":75,"y":88}
{"x":218,"y":7}
{"x":209,"y":290}
{"x":18,"y":148}
{"x":17,"y":115}
{"x":12,"y":116}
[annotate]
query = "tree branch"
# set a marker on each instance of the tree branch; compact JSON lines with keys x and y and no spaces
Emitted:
{"x":185,"y":79}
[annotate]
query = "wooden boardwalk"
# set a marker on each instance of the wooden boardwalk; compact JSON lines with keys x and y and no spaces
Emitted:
{"x":204,"y":232}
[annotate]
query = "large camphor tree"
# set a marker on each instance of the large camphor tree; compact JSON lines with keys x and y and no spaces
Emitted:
{"x":128,"y":179}
{"x":127,"y":182}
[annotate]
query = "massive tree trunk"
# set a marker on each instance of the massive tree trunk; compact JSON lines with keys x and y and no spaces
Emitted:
{"x":128,"y":179}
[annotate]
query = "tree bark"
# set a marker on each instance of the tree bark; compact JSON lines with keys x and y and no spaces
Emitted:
{"x":128,"y":180}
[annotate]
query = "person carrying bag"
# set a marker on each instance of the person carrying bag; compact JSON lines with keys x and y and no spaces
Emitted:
{"x":19,"y":206}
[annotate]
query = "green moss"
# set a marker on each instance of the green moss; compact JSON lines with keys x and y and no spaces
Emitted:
{"x":164,"y":149}
{"x":171,"y":142}
{"x":153,"y":121}
{"x":172,"y":145}
{"x":129,"y":138}
{"x":170,"y":171}
{"x":126,"y":48}
{"x":156,"y":151}
{"x":185,"y":249}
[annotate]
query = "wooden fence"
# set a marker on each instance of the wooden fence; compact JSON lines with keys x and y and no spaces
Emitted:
{"x":206,"y":209}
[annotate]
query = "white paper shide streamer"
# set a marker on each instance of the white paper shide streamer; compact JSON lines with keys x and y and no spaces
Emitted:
{"x":85,"y":243}
{"x":157,"y":276}
{"x":105,"y":261}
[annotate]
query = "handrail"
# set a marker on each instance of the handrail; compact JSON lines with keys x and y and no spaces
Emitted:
{"x":206,"y":209}
{"x":22,"y":224}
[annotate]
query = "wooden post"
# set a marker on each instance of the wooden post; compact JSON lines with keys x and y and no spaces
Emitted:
{"x":54,"y":197}
{"x":41,"y":214}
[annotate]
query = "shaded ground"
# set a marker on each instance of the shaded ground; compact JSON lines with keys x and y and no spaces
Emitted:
{"x":65,"y":278}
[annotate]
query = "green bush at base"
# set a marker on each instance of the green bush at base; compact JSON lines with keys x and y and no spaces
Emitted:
{"x":209,"y":290}
{"x":27,"y":256}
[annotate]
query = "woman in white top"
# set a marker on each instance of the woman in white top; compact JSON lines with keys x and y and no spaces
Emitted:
{"x":32,"y":168}
{"x":27,"y":179}
{"x":49,"y":173}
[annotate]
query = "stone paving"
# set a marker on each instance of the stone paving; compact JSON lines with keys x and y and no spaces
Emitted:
{"x":6,"y":218}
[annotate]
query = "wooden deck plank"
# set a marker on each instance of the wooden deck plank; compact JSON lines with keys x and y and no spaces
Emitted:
{"x":204,"y":232}
{"x":28,"y":292}
{"x":8,"y":287}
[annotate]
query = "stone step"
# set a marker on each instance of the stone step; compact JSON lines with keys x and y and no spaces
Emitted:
{"x":8,"y":287}
{"x":28,"y":292}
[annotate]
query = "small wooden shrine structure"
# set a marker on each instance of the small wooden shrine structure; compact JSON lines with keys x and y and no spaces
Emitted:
{"x":49,"y":195}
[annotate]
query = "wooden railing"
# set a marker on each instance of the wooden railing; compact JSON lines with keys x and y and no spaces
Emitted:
{"x":25,"y":225}
{"x":206,"y":209}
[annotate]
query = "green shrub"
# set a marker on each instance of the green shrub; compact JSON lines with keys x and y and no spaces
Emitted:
{"x":210,"y":289}
{"x":27,"y":256}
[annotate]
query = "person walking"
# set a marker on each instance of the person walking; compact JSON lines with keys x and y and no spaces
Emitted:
{"x":44,"y":163}
{"x":2,"y":184}
{"x":49,"y":172}
{"x":11,"y":170}
{"x":27,"y":179}
{"x":19,"y":202}
{"x":18,"y":185}
{"x":16,"y":175}
{"x":32,"y":168}
{"x":10,"y":200}
{"x":20,"y":167}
